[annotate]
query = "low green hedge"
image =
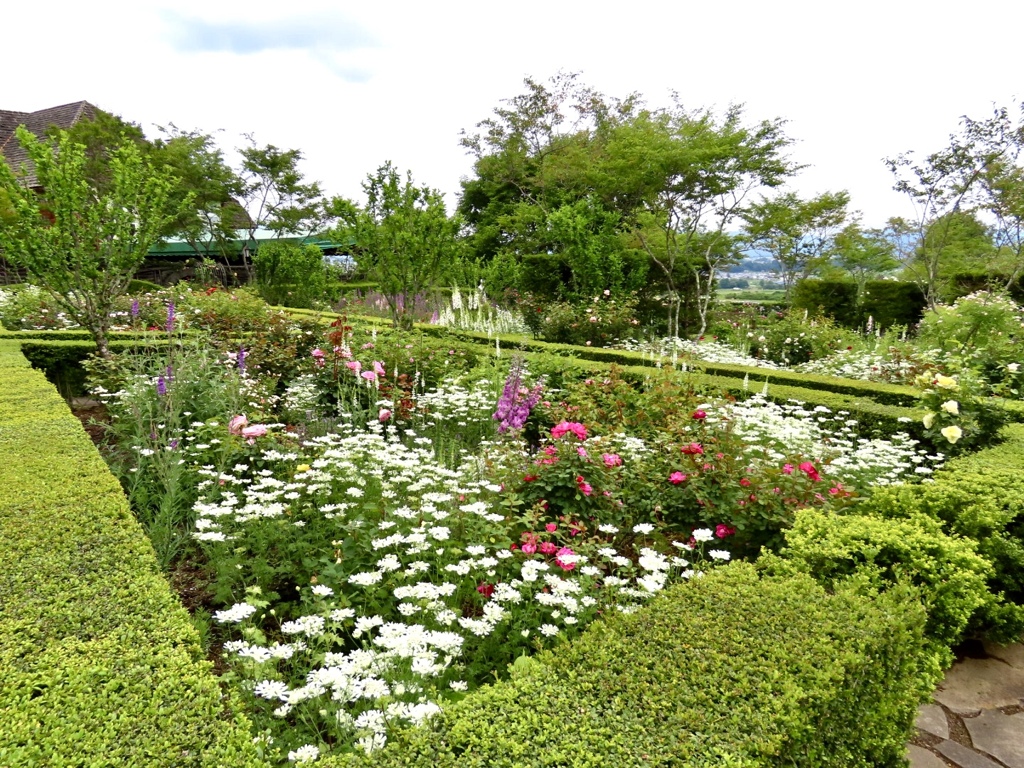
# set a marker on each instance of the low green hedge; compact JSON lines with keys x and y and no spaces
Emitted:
{"x":99,"y":663}
{"x":729,"y":670}
{"x":978,"y":497}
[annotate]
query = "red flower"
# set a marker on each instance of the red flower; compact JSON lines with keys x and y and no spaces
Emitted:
{"x":699,"y":414}
{"x":486,"y":590}
{"x":745,"y":482}
{"x":693,"y":449}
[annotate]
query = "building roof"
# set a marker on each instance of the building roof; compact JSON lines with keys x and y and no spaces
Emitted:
{"x":38,"y":122}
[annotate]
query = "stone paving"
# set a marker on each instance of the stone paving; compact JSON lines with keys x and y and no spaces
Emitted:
{"x":976,"y":718}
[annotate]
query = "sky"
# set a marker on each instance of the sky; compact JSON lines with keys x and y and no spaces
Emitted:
{"x":353,"y":85}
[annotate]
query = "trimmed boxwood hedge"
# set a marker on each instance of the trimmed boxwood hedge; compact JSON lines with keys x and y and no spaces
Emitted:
{"x":99,"y":663}
{"x":729,"y":670}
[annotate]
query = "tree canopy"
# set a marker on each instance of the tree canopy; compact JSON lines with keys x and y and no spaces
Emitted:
{"x":80,"y":240}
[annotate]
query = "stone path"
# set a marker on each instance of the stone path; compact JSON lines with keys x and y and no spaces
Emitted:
{"x":976,"y":718}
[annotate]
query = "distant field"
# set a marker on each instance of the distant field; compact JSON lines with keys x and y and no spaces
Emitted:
{"x":751,"y":294}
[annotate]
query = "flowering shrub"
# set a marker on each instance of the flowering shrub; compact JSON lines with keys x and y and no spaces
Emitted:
{"x":598,"y":322}
{"x":795,"y":339}
{"x":368,"y":582}
{"x":956,"y":418}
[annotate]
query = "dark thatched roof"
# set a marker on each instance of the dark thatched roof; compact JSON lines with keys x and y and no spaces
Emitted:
{"x":38,"y":123}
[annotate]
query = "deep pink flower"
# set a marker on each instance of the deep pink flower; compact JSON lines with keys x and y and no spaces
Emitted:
{"x":318,"y":353}
{"x":581,"y":451}
{"x":744,"y":482}
{"x":569,"y":426}
{"x":529,"y":547}
{"x":551,"y":527}
{"x":486,"y":589}
{"x":548,"y":547}
{"x":693,"y":449}
{"x":676,"y":478}
{"x":585,"y":488}
{"x":612,"y":459}
{"x":808,"y":469}
{"x":699,"y":414}
{"x":722,"y":530}
{"x":787,"y":469}
{"x":529,"y":478}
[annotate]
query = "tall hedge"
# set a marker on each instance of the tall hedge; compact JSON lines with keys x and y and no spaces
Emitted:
{"x":835,"y":298}
{"x":891,"y":303}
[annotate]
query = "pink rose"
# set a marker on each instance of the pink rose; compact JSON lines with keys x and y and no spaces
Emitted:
{"x":551,"y":527}
{"x":236,"y":425}
{"x":354,"y":365}
{"x":369,"y":375}
{"x":529,"y":547}
{"x":253,"y":431}
{"x":569,"y":426}
{"x":384,"y":415}
{"x":378,"y":368}
{"x":676,"y":478}
{"x":699,"y":414}
{"x":612,"y":459}
{"x":548,"y":548}
{"x":787,"y":469}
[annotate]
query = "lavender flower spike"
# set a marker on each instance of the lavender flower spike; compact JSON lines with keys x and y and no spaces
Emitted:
{"x":170,"y":317}
{"x":241,"y":359}
{"x":161,"y":386}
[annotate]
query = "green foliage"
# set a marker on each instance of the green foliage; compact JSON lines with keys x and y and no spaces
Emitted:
{"x":956,"y":418}
{"x":799,"y":234}
{"x":404,"y":238}
{"x":798,"y":337}
{"x":890,"y":302}
{"x":729,"y":670}
{"x":977,"y":496}
{"x":597,"y":322}
{"x":81,"y":244}
{"x":290,"y":274}
{"x":96,"y":654}
{"x":836,"y":299}
{"x":881,"y":554}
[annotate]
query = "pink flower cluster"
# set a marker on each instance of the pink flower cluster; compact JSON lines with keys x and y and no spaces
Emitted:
{"x":239,"y":425}
{"x":565,"y":427}
{"x":370,"y":375}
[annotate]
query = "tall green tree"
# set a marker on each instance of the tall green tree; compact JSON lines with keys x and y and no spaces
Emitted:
{"x":404,"y":238}
{"x":799,"y":234}
{"x":276,"y":196}
{"x":675,"y":180}
{"x":211,"y":220}
{"x":79,"y":241}
{"x":979,"y":170}
{"x":863,"y":254}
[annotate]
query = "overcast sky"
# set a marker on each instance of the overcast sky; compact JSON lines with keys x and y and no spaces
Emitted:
{"x":355,"y":84}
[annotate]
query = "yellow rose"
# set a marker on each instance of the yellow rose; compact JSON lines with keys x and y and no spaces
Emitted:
{"x":302,"y":468}
{"x":928,"y":420}
{"x":945,"y":382}
{"x":951,"y":407}
{"x":952,"y":433}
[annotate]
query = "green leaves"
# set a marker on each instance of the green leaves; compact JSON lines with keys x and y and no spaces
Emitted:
{"x":405,"y":238}
{"x":81,"y":242}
